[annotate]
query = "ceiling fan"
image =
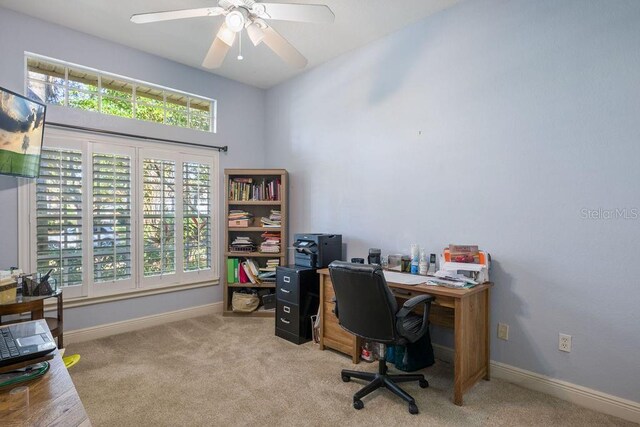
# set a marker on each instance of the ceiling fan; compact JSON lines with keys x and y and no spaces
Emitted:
{"x":252,"y":15}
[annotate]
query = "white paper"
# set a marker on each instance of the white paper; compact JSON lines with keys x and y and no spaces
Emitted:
{"x":404,"y":278}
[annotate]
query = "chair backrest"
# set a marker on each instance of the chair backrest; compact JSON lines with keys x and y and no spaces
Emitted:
{"x":365,"y":305}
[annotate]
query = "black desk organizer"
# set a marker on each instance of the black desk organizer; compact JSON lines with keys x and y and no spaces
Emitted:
{"x":298,"y":297}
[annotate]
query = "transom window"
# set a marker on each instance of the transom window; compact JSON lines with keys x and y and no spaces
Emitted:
{"x":60,"y":83}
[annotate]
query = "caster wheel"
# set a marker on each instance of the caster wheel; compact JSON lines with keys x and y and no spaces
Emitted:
{"x":423,"y":383}
{"x":359,"y":405}
{"x":413,"y":408}
{"x":346,"y":379}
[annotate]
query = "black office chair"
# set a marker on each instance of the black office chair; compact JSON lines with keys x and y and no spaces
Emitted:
{"x":366,"y":307}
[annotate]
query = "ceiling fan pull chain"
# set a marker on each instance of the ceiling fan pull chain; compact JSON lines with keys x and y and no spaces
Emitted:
{"x":240,"y":57}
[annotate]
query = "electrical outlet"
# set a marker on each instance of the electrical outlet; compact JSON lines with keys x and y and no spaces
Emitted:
{"x":564,"y":343}
{"x":503,"y":331}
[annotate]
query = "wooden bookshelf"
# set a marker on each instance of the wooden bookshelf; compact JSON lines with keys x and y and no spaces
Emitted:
{"x":258,"y":208}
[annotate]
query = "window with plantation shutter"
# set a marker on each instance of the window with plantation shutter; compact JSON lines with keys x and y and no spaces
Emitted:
{"x":112,"y":250}
{"x":59,"y":216}
{"x":110,"y":216}
{"x":159,"y":216}
{"x":196,"y":211}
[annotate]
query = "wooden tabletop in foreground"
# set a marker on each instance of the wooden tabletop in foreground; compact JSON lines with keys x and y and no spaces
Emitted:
{"x":53,"y":401}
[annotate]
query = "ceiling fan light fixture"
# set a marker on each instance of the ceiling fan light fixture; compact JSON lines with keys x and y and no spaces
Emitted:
{"x":235,"y":20}
{"x":255,"y":33}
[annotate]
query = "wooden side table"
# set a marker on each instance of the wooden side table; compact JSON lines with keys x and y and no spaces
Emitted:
{"x":35,"y":307}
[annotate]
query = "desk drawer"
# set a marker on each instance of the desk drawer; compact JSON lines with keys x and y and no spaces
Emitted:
{"x":443,"y":301}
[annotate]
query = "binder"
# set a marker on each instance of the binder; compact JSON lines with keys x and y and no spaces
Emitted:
{"x":230,"y":271}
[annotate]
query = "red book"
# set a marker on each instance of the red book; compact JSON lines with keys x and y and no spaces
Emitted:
{"x":242,"y":274}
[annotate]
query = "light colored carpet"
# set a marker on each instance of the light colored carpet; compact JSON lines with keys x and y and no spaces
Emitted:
{"x":226,"y":371}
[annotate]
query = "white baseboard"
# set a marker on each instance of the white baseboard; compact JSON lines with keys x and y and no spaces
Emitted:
{"x":108,"y":329}
{"x":583,"y":396}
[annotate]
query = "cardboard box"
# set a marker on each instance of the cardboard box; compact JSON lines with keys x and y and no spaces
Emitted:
{"x":8,"y":292}
{"x":239,"y":223}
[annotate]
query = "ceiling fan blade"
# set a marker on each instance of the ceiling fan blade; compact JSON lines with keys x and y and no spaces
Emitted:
{"x":295,"y":12}
{"x":219,"y":48}
{"x":145,"y":18}
{"x":283,"y":48}
{"x":217,"y":52}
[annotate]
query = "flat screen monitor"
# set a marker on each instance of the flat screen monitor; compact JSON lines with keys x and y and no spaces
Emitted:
{"x":21,"y":134}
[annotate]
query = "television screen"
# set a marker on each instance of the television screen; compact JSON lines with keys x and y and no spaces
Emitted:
{"x":21,"y":133}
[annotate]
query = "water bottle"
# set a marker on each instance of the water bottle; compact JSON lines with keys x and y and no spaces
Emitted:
{"x":415,"y":252}
{"x":423,"y":265}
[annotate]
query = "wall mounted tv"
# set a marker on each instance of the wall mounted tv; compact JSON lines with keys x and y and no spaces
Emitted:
{"x":21,"y":133}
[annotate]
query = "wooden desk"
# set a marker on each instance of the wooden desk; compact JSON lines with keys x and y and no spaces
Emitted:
{"x":466,"y":311}
{"x":53,"y":400}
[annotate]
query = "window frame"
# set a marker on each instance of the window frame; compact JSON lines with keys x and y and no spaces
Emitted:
{"x":89,"y":144}
{"x":135,"y":83}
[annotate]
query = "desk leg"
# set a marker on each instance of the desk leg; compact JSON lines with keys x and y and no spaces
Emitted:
{"x":471,"y":342}
{"x":487,"y":346}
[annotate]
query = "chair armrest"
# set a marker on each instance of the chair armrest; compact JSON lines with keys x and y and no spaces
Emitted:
{"x":407,"y":307}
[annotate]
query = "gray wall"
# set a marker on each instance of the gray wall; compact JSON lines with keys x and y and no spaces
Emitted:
{"x":240,"y":126}
{"x":496,"y":123}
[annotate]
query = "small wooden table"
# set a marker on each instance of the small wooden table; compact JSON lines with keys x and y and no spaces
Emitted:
{"x":35,"y":306}
{"x":53,"y":400}
{"x":466,"y":311}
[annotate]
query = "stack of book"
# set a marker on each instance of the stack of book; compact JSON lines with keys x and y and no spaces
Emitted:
{"x":266,"y":190}
{"x":240,"y":188}
{"x":271,"y":242}
{"x":274,"y":220}
{"x":268,"y":273}
{"x":239,"y":218}
{"x":242,"y":244}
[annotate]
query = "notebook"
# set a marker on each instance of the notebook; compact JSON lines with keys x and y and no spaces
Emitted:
{"x":24,"y":341}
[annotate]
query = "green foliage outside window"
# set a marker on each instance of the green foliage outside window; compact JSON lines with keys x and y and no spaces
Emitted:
{"x":83,"y":89}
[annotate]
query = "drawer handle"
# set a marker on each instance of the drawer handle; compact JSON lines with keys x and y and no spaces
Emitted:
{"x":286,"y":279}
{"x":286,"y":309}
{"x":284,"y":321}
{"x":286,"y":291}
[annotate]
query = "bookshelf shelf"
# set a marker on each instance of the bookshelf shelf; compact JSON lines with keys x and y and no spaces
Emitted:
{"x":244,"y":285}
{"x":249,"y":184}
{"x":254,"y":229}
{"x":253,"y":254}
{"x":255,"y":202}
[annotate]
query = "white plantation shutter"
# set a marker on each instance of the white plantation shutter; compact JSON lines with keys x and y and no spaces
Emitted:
{"x":59,"y":216}
{"x":159,"y":217}
{"x":112,"y":225}
{"x":196,"y":212}
{"x":109,"y":216}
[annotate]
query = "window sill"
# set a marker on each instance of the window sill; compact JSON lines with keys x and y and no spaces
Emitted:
{"x":50,"y":303}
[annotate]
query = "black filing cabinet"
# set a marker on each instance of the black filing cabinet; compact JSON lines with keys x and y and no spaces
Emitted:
{"x":297,"y":299}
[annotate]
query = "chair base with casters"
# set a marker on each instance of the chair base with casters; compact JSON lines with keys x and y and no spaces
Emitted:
{"x":366,"y":307}
{"x":382,"y":379}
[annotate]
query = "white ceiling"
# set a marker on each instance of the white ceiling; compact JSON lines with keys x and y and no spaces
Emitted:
{"x":357,"y":23}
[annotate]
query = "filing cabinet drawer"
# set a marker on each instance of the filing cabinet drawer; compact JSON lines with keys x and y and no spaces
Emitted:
{"x":287,"y":317}
{"x":287,"y":285}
